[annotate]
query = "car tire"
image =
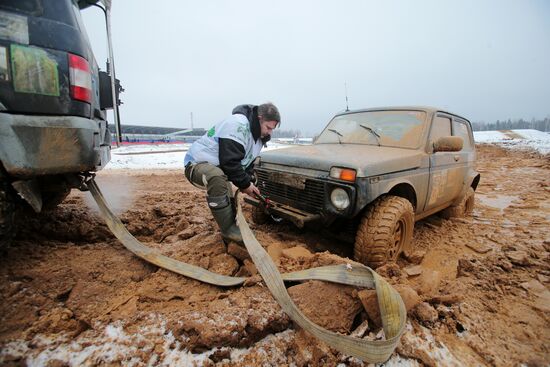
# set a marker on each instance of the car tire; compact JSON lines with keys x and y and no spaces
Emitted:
{"x":259,"y":215}
{"x":463,"y":209}
{"x":7,"y":211}
{"x":385,"y":231}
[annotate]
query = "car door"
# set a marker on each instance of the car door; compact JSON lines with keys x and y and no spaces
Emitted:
{"x":446,"y":176}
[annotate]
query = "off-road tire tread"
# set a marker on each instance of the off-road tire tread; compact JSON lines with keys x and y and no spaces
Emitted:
{"x":375,"y":231}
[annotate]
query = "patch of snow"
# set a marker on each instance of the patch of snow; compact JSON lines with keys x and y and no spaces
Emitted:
{"x":114,"y":332}
{"x":13,"y":350}
{"x":435,"y":349}
{"x":266,"y":349}
{"x":397,"y":361}
{"x":516,"y":139}
{"x":172,"y":160}
{"x":532,"y":134}
{"x":157,"y":156}
{"x":153,"y":344}
{"x":149,"y":148}
{"x":489,"y":136}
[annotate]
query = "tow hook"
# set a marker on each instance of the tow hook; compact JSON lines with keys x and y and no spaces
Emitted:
{"x":265,"y":200}
{"x":82,"y":180}
{"x":267,"y":204}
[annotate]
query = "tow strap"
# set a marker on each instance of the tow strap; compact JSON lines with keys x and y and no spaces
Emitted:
{"x":392,"y":309}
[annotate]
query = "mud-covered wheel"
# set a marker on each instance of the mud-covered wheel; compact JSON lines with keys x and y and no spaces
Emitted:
{"x":259,"y":215}
{"x":51,"y":199}
{"x":7,"y":211}
{"x":463,"y":209}
{"x":385,"y":231}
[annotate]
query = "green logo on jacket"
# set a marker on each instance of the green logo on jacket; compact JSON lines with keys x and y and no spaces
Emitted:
{"x":211,"y":132}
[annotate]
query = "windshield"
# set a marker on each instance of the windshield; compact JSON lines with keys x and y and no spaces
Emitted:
{"x":384,"y":128}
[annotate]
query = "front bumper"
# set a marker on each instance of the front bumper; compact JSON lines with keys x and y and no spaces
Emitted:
{"x":45,"y":145}
{"x":296,"y":216}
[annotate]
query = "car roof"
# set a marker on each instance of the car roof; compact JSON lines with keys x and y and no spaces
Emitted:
{"x":428,"y":109}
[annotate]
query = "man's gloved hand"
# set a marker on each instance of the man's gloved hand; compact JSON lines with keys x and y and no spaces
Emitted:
{"x":251,"y":190}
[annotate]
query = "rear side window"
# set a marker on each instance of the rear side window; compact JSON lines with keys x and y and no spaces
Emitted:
{"x":79,"y":21}
{"x":29,"y":7}
{"x":441,"y":127}
{"x":61,"y":11}
{"x":461,"y":129}
{"x":58,"y":10}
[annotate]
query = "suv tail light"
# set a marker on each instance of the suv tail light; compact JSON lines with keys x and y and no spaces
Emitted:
{"x":80,"y":78}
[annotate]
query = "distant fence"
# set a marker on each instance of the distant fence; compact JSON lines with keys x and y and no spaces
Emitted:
{"x":154,"y":139}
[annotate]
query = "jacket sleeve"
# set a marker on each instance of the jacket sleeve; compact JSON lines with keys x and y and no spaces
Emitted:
{"x":230,"y":155}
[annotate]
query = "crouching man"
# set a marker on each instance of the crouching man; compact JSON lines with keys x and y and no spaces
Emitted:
{"x":225,"y":155}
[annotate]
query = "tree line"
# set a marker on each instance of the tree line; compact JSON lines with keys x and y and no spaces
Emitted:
{"x":541,"y":125}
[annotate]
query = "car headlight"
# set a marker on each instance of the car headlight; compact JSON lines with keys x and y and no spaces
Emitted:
{"x":339,"y":198}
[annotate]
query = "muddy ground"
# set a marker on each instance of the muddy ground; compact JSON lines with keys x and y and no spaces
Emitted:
{"x":477,"y":288}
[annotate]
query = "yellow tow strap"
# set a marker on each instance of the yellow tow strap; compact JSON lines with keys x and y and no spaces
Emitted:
{"x":391,"y":305}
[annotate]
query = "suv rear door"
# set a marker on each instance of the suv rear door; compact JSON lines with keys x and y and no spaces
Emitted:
{"x":446,"y":168}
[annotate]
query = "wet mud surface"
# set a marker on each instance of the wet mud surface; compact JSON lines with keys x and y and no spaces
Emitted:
{"x":476,"y":288}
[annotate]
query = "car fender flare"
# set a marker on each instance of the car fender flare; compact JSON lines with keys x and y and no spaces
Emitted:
{"x":399,"y":187}
{"x":472,"y":180}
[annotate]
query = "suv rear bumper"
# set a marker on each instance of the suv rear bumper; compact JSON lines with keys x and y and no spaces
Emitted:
{"x":44,"y":145}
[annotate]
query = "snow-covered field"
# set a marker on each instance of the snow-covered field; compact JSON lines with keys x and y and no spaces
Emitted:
{"x":157,"y":156}
{"x":516,"y":139}
{"x":170,"y":156}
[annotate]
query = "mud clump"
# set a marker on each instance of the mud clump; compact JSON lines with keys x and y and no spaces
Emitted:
{"x":426,"y":314}
{"x":319,"y":300}
{"x":237,"y":319}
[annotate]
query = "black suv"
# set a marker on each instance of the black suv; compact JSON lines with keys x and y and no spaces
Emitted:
{"x":53,"y":99}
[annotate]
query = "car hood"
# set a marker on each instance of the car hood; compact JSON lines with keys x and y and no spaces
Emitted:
{"x":368,"y":160}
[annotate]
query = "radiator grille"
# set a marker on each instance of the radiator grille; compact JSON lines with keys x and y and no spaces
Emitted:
{"x":310,"y":199}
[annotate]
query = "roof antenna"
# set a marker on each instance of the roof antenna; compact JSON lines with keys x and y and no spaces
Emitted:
{"x":346,"y":88}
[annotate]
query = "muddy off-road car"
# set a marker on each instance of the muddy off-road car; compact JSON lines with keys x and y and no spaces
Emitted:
{"x":370,"y":175}
{"x":52,"y":105}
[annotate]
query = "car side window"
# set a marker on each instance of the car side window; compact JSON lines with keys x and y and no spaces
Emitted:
{"x":461,"y":129}
{"x":31,"y":7}
{"x":441,"y":127}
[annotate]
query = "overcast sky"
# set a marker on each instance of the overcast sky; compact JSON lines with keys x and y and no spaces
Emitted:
{"x":485,"y":60}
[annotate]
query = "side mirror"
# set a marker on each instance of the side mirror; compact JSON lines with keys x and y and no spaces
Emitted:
{"x":105,"y":93}
{"x":448,"y":144}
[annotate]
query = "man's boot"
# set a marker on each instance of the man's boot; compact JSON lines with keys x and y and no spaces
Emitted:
{"x":224,"y":216}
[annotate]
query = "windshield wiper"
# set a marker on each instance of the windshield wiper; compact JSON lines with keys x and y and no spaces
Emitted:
{"x":371,"y":130}
{"x":337,"y":133}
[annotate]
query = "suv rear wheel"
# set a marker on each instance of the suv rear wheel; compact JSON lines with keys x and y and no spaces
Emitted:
{"x":385,"y":231}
